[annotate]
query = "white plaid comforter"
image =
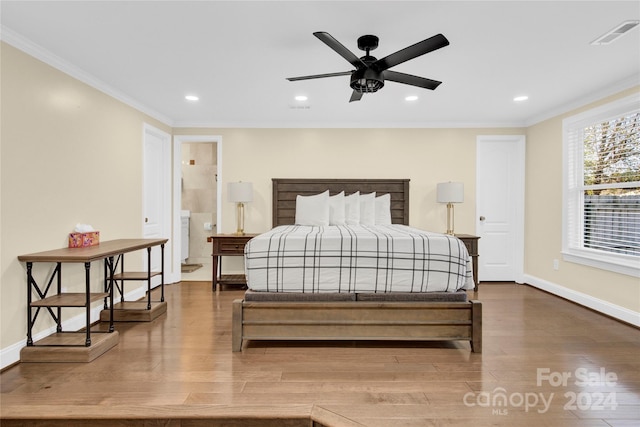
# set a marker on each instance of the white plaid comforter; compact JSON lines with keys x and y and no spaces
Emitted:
{"x":356,"y":259}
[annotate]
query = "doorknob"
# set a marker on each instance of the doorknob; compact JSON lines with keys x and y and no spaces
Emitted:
{"x":482,"y":218}
{"x":146,"y":220}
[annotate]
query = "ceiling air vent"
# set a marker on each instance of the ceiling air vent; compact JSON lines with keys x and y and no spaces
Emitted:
{"x":616,"y":33}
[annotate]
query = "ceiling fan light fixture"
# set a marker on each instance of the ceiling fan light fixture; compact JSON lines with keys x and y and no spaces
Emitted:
{"x":366,"y":80}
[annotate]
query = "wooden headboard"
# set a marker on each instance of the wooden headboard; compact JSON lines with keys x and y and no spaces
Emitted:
{"x":286,"y":190}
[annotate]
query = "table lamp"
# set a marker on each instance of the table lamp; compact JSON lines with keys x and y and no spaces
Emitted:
{"x":450,"y":193}
{"x":240,"y":193}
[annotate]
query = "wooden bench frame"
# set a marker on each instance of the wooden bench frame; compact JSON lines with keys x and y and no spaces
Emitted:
{"x":389,"y":321}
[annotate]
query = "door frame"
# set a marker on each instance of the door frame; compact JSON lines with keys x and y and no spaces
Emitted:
{"x":518,"y":198}
{"x":178,"y":140}
{"x":165,"y":185}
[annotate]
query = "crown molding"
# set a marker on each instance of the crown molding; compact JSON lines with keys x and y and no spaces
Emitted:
{"x":596,"y":95}
{"x":350,"y":125}
{"x":27,"y":46}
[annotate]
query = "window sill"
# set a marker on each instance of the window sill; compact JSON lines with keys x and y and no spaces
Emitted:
{"x":622,"y":264}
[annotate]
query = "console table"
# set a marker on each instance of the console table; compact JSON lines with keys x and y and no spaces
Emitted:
{"x":74,"y":346}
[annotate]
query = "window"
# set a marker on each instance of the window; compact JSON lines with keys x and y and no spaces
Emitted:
{"x":601,"y":214}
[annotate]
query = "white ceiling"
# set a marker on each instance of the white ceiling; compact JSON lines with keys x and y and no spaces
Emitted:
{"x":235,"y":55}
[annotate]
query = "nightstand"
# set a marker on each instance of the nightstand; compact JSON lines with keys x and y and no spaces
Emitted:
{"x":227,"y":245}
{"x":471,"y":242}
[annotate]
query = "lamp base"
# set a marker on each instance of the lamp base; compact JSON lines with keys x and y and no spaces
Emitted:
{"x":240,"y":219}
{"x":450,"y":219}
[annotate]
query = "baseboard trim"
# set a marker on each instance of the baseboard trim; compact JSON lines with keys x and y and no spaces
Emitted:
{"x":617,"y":312}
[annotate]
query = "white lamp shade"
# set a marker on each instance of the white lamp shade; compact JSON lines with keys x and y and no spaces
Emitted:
{"x":450,"y":192}
{"x":240,"y":192}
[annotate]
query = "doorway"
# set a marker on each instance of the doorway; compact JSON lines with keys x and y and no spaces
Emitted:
{"x":500,"y":207}
{"x":197,"y":169}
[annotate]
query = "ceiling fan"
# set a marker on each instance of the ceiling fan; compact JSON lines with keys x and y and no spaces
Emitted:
{"x":371,"y":73}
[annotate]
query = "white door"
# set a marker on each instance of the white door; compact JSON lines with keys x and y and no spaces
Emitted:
{"x":157,"y":196}
{"x":500,"y":207}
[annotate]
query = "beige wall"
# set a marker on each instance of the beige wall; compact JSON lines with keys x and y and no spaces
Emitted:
{"x":70,"y":154}
{"x":543,"y":219}
{"x":426,"y":156}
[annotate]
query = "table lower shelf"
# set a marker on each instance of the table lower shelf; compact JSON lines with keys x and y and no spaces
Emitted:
{"x":135,"y":311}
{"x":69,"y":347}
{"x":232,"y":279}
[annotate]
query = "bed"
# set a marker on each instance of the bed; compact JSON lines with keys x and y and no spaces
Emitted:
{"x":283,"y":303}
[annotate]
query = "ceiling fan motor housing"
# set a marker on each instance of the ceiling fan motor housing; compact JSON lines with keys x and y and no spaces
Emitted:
{"x":366,"y":80}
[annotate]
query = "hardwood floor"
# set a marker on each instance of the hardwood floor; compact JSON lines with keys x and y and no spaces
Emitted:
{"x":179,"y":370}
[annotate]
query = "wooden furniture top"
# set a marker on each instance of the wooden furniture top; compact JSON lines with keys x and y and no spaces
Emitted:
{"x":285,"y":192}
{"x":247,"y":236}
{"x":466,"y":236}
{"x":92,"y":253}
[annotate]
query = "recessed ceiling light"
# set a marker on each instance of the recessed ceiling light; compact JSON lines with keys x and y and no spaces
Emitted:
{"x":411,"y":98}
{"x":521,"y":98}
{"x":191,"y":98}
{"x":301,"y":98}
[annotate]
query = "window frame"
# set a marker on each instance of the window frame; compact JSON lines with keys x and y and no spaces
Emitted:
{"x":573,"y":198}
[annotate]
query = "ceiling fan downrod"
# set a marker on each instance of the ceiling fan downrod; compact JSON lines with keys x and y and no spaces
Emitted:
{"x":367,"y":80}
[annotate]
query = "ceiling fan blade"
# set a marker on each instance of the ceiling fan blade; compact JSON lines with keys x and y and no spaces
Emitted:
{"x":334,"y":44}
{"x":410,"y":79}
{"x":320,"y":76}
{"x":355,"y":96}
{"x":413,"y":51}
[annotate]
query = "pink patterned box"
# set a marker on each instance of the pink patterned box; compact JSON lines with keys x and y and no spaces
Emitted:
{"x":82,"y":240}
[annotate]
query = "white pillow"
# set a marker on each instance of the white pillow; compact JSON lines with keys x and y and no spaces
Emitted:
{"x":383,"y":209}
{"x":352,"y":208}
{"x":313,"y":210}
{"x":368,"y":209}
{"x":337,"y":214}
